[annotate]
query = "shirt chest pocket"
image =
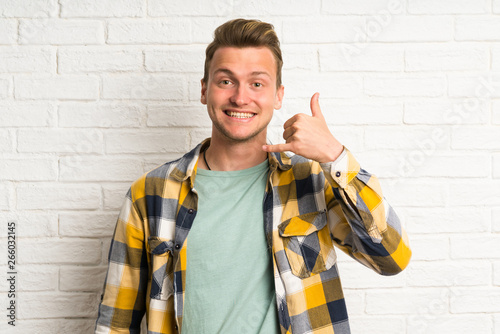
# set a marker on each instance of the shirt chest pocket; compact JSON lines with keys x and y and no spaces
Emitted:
{"x":160,"y":252}
{"x":307,"y":244}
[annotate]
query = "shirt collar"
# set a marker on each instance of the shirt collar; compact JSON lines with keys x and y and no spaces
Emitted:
{"x":188,"y":164}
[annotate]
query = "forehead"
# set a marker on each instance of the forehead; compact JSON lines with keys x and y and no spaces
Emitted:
{"x":242,"y":60}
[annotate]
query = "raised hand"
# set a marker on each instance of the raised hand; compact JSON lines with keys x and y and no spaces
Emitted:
{"x":309,"y":136}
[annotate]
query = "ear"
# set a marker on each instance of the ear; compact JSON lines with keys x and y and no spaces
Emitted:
{"x":279,"y":97}
{"x":203,"y":98}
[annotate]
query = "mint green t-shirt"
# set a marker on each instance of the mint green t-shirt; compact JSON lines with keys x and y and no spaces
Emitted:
{"x":229,"y":274}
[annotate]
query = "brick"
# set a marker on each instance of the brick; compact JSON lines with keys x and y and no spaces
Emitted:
{"x":6,"y":144}
{"x":450,"y":273}
{"x":446,"y":58}
{"x":466,"y":137}
{"x":407,"y":301}
{"x":438,"y":324}
{"x":300,"y":57}
{"x":172,"y":140}
{"x":431,"y":163}
{"x":61,"y":32}
{"x":475,"y":247}
{"x":98,"y":224}
{"x":21,"y":59}
{"x":29,"y":8}
{"x":67,"y":87}
{"x":32,"y":224}
{"x":477,"y":28}
{"x":38,"y":277}
{"x":496,"y":166}
{"x":495,"y":118}
{"x":190,"y":8}
{"x":270,"y":8}
{"x":60,"y":140}
{"x":496,"y":273}
{"x":479,"y":88}
{"x":369,"y":324}
{"x":180,"y":59}
{"x":106,"y":245}
{"x":144,"y":87}
{"x":355,"y":301}
{"x":26,"y":114}
{"x":198,"y":135}
{"x":429,"y":248}
{"x":451,"y":220}
{"x":96,"y":8}
{"x":380,"y":8}
{"x":151,"y":31}
{"x":59,"y":251}
{"x":28,"y":169}
{"x":340,"y":113}
{"x":201,"y":30}
{"x":114,"y":195}
{"x":323,"y":30}
{"x":404,"y":28}
{"x":417,"y":192}
{"x":495,"y":218}
{"x":485,"y":192}
{"x":355,"y":276}
{"x":4,"y":197}
{"x":49,"y":305}
{"x":366,"y":57}
{"x":99,"y":169}
{"x":450,"y":111}
{"x":449,"y":7}
{"x":162,"y":115}
{"x":51,"y":326}
{"x":330,"y":85}
{"x":100,"y":115}
{"x":98,"y":59}
{"x":47,"y":196}
{"x":480,"y":300}
{"x":4,"y":88}
{"x":151,"y":162}
{"x":401,"y":86}
{"x":9,"y":31}
{"x":496,"y":10}
{"x":422,"y":139}
{"x":82,"y":279}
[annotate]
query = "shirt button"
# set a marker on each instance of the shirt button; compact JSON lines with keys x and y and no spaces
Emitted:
{"x":177,"y":246}
{"x":337,"y":174}
{"x":190,"y":211}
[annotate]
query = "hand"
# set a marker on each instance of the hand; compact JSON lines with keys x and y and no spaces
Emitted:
{"x":309,"y":136}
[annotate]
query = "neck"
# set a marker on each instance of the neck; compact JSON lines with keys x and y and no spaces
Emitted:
{"x":230,"y":156}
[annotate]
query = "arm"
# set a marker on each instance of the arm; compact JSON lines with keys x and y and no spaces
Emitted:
{"x":362,"y":223}
{"x":124,"y":299}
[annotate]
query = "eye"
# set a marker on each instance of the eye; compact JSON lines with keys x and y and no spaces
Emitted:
{"x":225,"y":82}
{"x":257,"y":84}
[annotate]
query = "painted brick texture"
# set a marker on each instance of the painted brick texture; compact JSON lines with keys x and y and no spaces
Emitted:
{"x":95,"y":93}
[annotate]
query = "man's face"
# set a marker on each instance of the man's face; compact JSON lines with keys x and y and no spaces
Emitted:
{"x":241,"y":93}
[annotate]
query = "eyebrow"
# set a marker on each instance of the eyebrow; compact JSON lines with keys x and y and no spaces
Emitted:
{"x":253,"y":74}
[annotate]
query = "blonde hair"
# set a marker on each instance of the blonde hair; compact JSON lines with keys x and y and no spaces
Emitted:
{"x":242,"y":33}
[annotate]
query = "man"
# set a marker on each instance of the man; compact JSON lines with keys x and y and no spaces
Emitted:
{"x":237,"y":236}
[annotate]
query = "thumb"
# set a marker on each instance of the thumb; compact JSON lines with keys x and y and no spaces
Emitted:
{"x":315,"y":109}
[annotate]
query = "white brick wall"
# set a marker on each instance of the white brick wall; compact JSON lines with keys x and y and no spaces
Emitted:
{"x":94,"y":93}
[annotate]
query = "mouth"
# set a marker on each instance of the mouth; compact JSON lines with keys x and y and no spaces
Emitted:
{"x":239,"y":114}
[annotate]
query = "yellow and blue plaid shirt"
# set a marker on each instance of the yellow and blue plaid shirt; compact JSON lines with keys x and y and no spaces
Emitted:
{"x":308,"y":208}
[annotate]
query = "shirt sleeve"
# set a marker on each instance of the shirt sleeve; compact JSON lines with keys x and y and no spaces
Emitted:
{"x":361,"y":221}
{"x":123,"y":301}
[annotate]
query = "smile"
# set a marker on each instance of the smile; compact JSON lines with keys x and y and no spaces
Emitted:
{"x":237,"y":114}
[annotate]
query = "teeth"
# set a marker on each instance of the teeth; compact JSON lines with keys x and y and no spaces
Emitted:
{"x":239,"y":114}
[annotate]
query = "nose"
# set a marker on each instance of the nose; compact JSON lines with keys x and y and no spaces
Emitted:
{"x":241,"y":96}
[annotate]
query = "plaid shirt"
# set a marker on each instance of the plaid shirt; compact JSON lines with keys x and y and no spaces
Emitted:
{"x":308,"y":208}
